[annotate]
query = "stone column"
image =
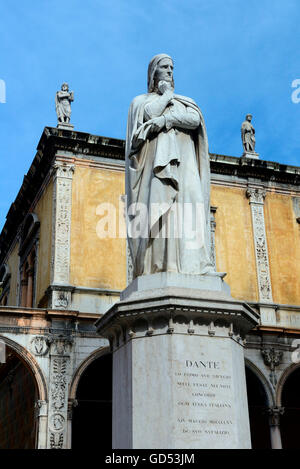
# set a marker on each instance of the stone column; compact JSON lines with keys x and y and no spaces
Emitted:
{"x":60,"y":375}
{"x":60,"y":295}
{"x":41,"y":415}
{"x":256,"y":200}
{"x":71,"y":404}
{"x":178,"y":364}
{"x":274,"y":422}
{"x":29,"y":292}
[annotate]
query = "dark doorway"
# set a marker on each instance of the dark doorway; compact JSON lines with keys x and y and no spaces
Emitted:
{"x":92,"y":418}
{"x":258,"y":404}
{"x":290,"y":420}
{"x":17,"y":398}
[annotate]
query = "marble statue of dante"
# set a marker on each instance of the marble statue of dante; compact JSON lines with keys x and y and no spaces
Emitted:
{"x":248,"y":134}
{"x":167,"y":163}
{"x":63,"y":99}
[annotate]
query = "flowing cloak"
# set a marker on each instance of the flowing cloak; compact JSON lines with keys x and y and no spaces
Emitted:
{"x":153,"y":164}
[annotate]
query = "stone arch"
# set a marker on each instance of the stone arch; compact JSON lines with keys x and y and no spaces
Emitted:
{"x":283,"y":378}
{"x":90,"y":400}
{"x":32,"y":365}
{"x":260,"y":399}
{"x":83,"y":366}
{"x":263,"y":380}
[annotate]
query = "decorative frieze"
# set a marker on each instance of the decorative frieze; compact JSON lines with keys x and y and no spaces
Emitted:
{"x":212,"y":236}
{"x":256,"y":199}
{"x":62,"y":207}
{"x":129,"y":264}
{"x":58,"y":396}
{"x":56,"y":440}
{"x":61,"y":230}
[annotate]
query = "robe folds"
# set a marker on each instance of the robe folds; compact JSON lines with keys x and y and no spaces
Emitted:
{"x":170,"y":170}
{"x":248,"y":137}
{"x":62,"y":105}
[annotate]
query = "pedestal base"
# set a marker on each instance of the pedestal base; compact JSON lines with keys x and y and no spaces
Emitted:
{"x":178,"y":366}
{"x":250,"y":154}
{"x":157,"y":283}
{"x":65,"y":126}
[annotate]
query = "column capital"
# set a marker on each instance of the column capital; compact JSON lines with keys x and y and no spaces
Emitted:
{"x":272,"y":358}
{"x":40,"y":408}
{"x":256,"y":195}
{"x":274,"y":415}
{"x":60,"y":344}
{"x":63,"y":169}
{"x":71,"y":404}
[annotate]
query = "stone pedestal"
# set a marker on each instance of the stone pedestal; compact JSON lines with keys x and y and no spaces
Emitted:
{"x":65,"y":126}
{"x":250,"y":154}
{"x":178,"y":364}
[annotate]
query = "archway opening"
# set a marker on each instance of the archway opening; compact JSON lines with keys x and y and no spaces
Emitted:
{"x":92,"y":417}
{"x":290,"y":420}
{"x":258,"y":404}
{"x":18,"y":394}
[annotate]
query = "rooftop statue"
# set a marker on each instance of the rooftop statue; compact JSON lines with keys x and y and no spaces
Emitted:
{"x":167,"y":178}
{"x":63,"y":101}
{"x":248,"y":135}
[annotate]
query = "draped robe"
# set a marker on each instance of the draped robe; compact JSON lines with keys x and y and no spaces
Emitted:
{"x":248,"y":136}
{"x":62,"y":105}
{"x":169,"y":167}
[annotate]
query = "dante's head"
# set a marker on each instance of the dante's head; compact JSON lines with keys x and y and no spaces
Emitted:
{"x":249,"y":117}
{"x":65,"y":87}
{"x":160,"y":68}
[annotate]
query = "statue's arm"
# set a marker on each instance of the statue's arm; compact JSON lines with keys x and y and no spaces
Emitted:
{"x":187,"y":119}
{"x":156,"y":107}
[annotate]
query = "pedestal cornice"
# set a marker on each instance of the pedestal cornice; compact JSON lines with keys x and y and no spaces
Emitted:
{"x":176,"y":310}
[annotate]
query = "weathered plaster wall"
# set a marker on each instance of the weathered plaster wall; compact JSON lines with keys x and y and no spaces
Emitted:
{"x":234,"y":241}
{"x":95,"y":262}
{"x":283,"y":237}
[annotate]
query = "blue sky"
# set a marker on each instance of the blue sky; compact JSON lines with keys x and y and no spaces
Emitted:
{"x":233,"y":57}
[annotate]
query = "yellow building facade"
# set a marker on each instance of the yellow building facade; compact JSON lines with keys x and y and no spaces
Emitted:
{"x":58,"y":272}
